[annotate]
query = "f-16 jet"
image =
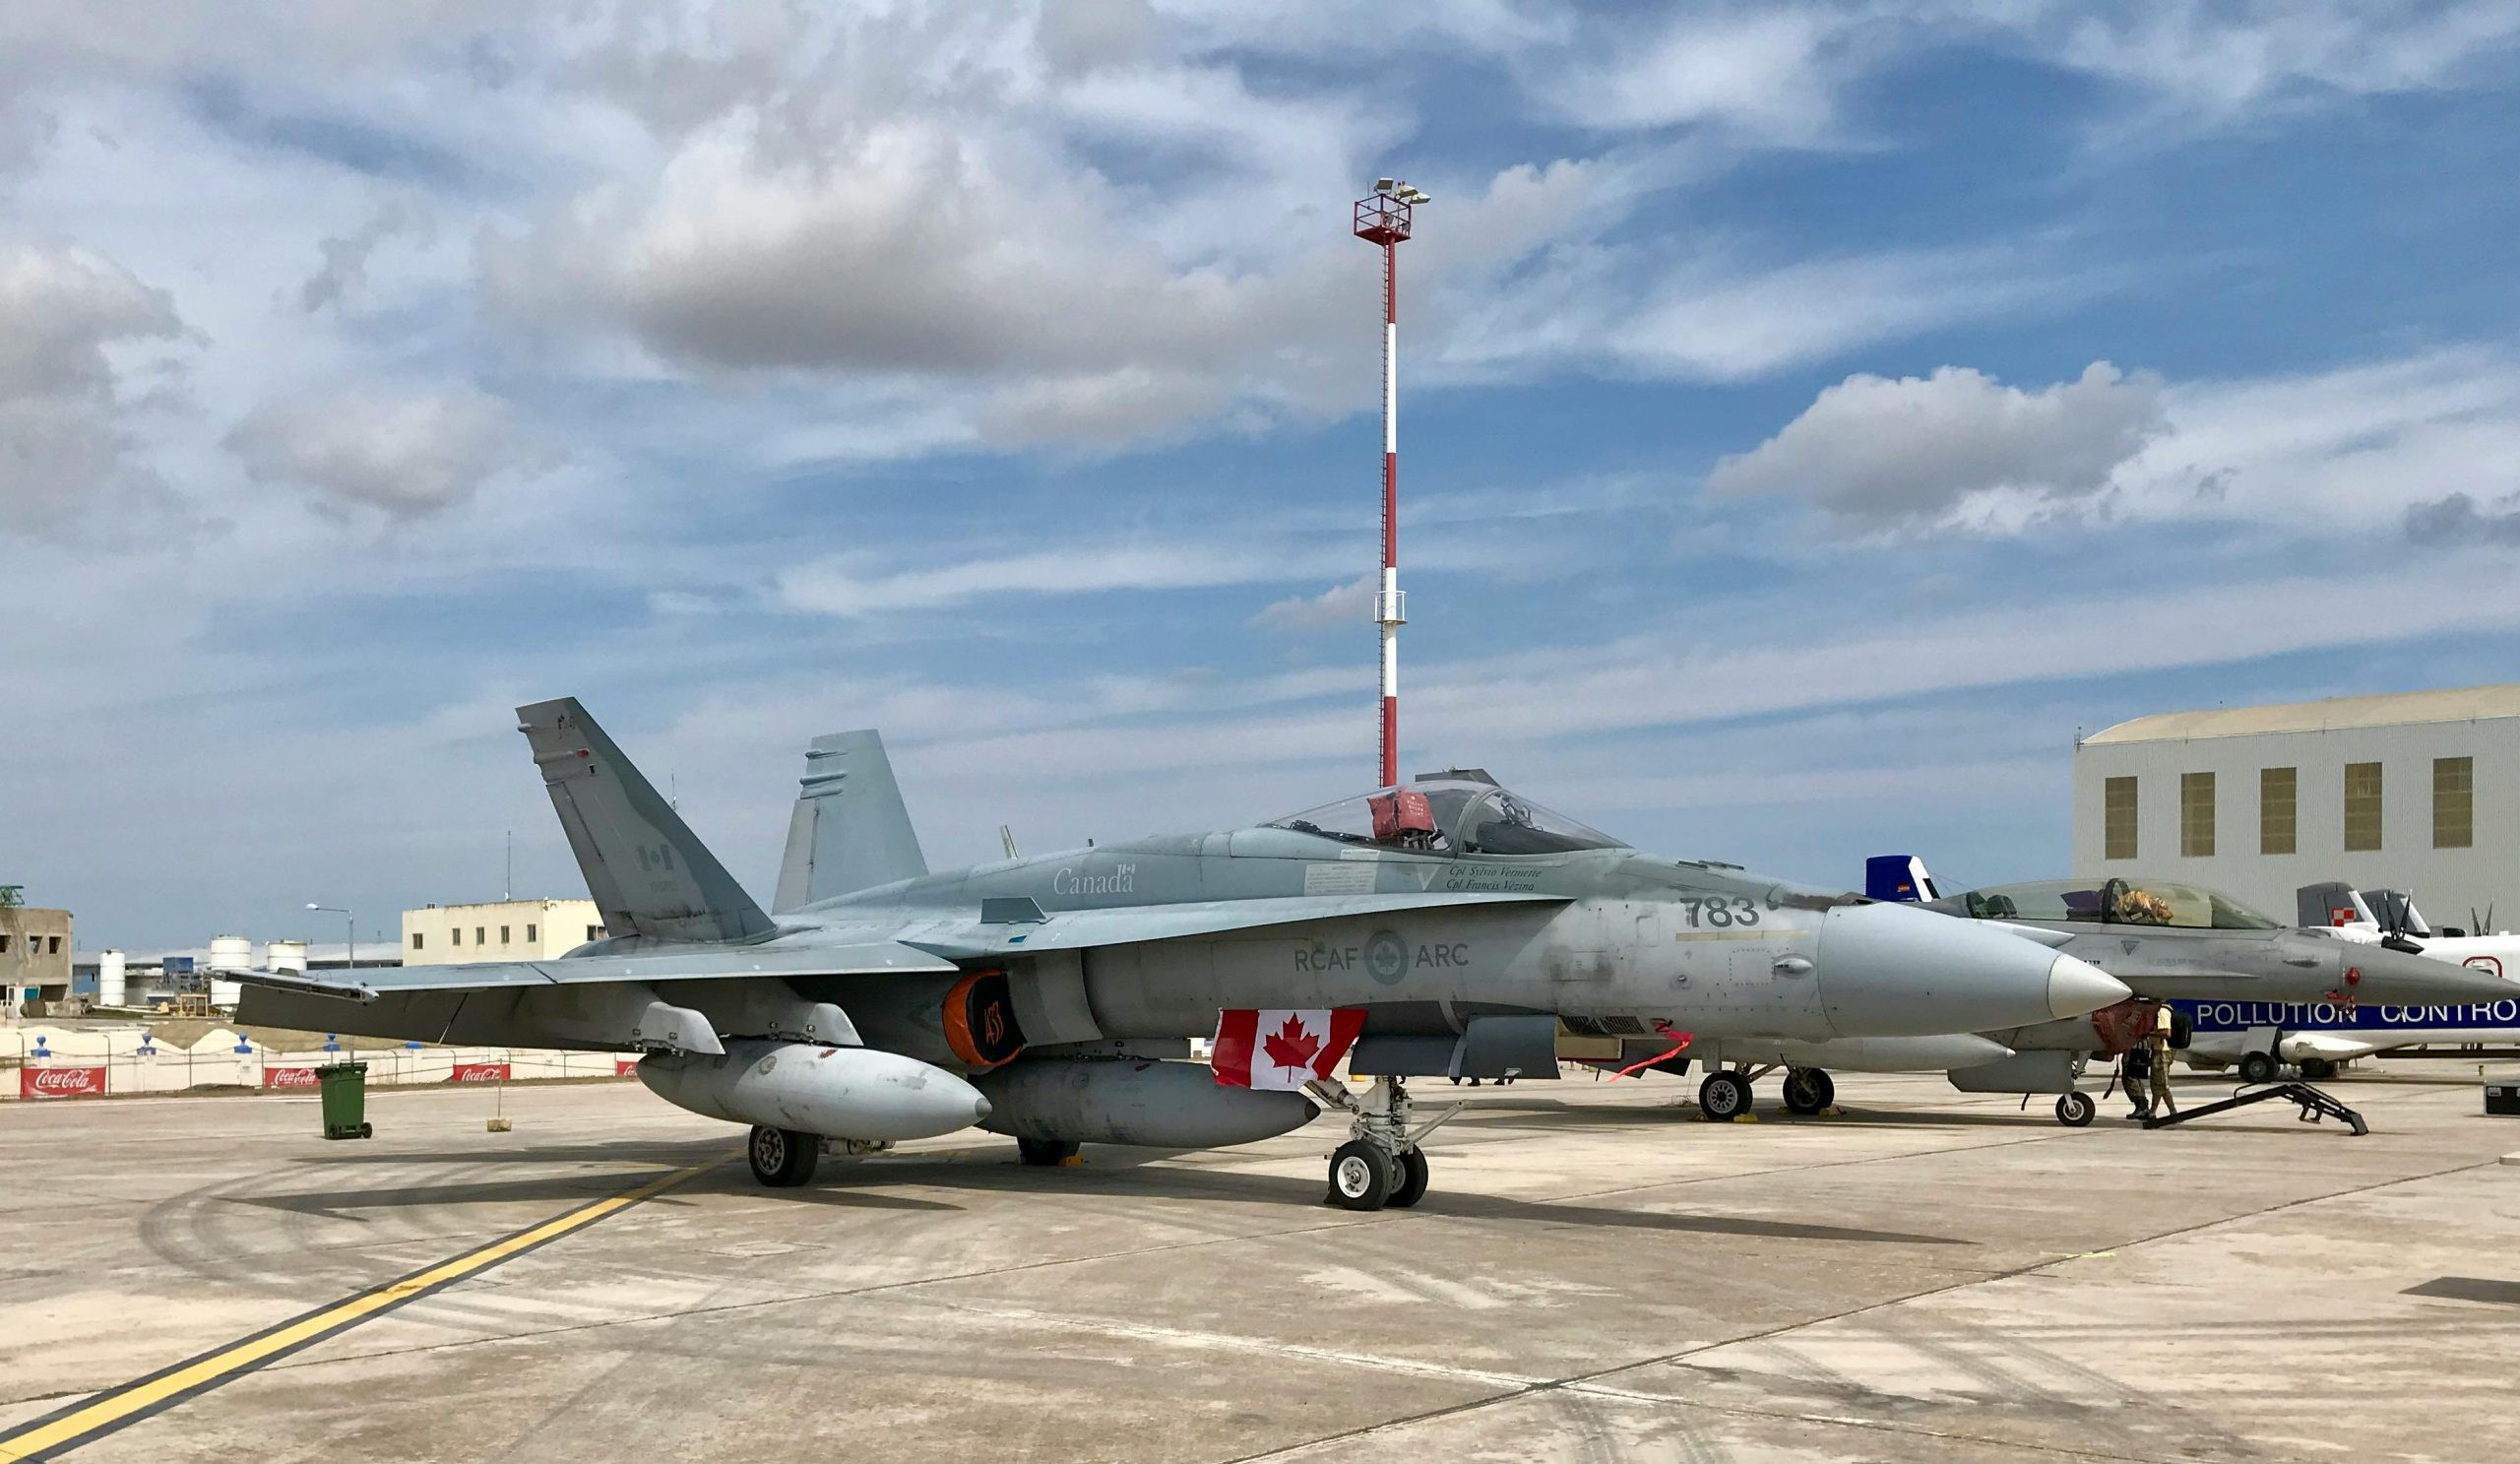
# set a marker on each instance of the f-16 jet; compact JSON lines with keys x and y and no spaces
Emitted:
{"x":1441,"y":927}
{"x":2200,"y":951}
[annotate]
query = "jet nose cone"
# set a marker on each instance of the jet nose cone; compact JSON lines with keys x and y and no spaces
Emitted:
{"x":2076,"y":986}
{"x":980,"y":1108}
{"x":2378,"y":975}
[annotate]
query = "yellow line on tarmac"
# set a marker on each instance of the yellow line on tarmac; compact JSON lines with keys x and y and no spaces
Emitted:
{"x":54,"y":1434}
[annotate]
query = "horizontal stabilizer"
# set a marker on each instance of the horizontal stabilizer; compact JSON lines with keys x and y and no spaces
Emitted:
{"x":647,"y":872}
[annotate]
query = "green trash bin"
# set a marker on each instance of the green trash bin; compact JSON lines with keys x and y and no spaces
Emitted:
{"x":345,"y":1087}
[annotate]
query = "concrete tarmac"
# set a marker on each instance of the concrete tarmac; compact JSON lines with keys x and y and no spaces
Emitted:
{"x":1594,"y":1276}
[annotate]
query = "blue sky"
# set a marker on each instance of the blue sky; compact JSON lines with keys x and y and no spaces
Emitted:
{"x":1812,"y":414}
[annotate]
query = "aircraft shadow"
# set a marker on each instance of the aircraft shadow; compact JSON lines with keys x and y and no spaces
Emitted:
{"x":1112,"y":1171}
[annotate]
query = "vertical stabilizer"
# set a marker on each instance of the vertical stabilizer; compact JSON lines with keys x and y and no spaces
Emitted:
{"x":850,"y":830}
{"x":646,"y":872}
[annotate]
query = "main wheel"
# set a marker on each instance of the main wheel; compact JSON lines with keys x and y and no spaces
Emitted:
{"x":1724,"y":1096}
{"x":2317,"y":1069}
{"x":1413,"y":1180}
{"x":2259,"y":1067}
{"x":1046,"y":1152}
{"x":1808,"y":1090}
{"x":2075,"y":1110}
{"x":1361,"y":1176}
{"x":782,"y":1158}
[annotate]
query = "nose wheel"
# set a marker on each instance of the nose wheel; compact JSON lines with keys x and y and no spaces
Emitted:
{"x":1808,"y":1090}
{"x":2075,"y":1110}
{"x":1381,"y":1165}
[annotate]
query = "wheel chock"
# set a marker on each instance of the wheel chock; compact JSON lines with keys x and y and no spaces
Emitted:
{"x":500,"y":1125}
{"x":1071,"y":1160}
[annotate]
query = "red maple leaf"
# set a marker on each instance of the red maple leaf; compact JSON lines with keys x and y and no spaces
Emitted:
{"x":1291,"y":1045}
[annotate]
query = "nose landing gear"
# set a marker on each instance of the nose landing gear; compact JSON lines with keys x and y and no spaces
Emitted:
{"x":1381,"y":1164}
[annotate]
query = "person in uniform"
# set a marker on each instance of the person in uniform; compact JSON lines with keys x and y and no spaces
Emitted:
{"x":2135,"y":1071}
{"x":2158,"y":1053}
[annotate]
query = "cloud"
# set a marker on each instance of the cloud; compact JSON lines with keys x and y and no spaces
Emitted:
{"x":847,"y":587}
{"x":344,"y":268}
{"x":407,"y":454}
{"x":1341,"y":605}
{"x":2456,"y":520}
{"x":1875,"y":453}
{"x":64,"y":445}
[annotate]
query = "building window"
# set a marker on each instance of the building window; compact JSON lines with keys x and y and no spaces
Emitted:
{"x":481,"y":935}
{"x":2455,"y":802}
{"x":530,"y":937}
{"x":2196,"y":815}
{"x":456,"y":936}
{"x":595,"y":932}
{"x":2275,"y":789}
{"x":417,"y":939}
{"x":503,"y":934}
{"x":2361,"y":806}
{"x":4,"y":945}
{"x":53,"y":946}
{"x":2118,"y":818}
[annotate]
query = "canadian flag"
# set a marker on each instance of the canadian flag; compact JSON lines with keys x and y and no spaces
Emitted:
{"x":1274,"y":1048}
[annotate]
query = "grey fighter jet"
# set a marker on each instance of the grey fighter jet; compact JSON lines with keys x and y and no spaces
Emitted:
{"x":2170,"y":941}
{"x":1450,"y":923}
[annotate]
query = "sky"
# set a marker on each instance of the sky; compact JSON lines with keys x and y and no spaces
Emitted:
{"x":1812,"y":415}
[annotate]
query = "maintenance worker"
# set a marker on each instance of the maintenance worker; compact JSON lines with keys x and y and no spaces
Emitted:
{"x":2159,"y":1054}
{"x":2135,"y":1070}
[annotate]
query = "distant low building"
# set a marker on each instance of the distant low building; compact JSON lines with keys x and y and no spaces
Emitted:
{"x":2419,"y":792}
{"x":498,"y":931}
{"x":34,"y":954}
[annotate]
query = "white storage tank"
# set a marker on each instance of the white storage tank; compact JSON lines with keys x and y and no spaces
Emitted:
{"x":285,"y":955}
{"x":113,"y":983}
{"x":228,"y":954}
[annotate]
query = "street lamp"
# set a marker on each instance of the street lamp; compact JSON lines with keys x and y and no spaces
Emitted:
{"x":349,"y":931}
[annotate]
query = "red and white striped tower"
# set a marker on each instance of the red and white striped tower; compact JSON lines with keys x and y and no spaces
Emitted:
{"x":1383,"y":220}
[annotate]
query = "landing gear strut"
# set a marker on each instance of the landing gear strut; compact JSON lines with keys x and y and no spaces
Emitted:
{"x":1381,"y":1163}
{"x":1046,"y":1152}
{"x":782,"y":1158}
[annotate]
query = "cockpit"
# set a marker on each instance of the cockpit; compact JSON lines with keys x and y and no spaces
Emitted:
{"x":1448,"y":816}
{"x":2110,"y":902}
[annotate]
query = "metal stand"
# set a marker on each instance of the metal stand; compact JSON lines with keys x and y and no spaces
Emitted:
{"x":2315,"y":1106}
{"x":1381,"y":1163}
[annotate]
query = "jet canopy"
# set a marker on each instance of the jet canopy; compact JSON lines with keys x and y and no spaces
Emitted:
{"x":2110,"y":902}
{"x":1447,"y":816}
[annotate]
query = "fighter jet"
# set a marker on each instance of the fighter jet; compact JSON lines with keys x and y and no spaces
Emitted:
{"x":2203,"y":953}
{"x":1437,"y":928}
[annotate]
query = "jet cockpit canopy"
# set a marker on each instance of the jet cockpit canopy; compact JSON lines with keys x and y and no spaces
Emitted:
{"x":2118,"y":900}
{"x":1448,"y":816}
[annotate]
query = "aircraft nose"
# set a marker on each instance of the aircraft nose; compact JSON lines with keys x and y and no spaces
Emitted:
{"x":1896,"y":971}
{"x":2076,"y":986}
{"x":2418,"y":981}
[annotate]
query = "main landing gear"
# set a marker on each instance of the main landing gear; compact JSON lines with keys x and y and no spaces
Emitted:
{"x":1381,"y":1163}
{"x":782,"y":1158}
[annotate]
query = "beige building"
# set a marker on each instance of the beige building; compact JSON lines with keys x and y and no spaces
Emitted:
{"x":499,"y":930}
{"x":34,"y":954}
{"x":2419,"y":791}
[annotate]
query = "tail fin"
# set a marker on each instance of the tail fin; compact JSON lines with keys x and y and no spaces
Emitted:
{"x":2333,"y":903}
{"x":850,"y":830}
{"x":647,"y":872}
{"x":1899,"y":877}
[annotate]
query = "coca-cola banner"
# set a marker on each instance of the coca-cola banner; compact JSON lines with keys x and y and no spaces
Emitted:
{"x":622,"y":1067}
{"x":288,"y":1077}
{"x":61,"y":1082}
{"x":480,"y":1072}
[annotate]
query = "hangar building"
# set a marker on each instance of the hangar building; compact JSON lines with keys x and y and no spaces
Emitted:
{"x":2419,"y":791}
{"x":498,"y":931}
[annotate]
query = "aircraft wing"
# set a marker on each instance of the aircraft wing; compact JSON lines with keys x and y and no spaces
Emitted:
{"x":871,"y":958}
{"x":1014,"y":927}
